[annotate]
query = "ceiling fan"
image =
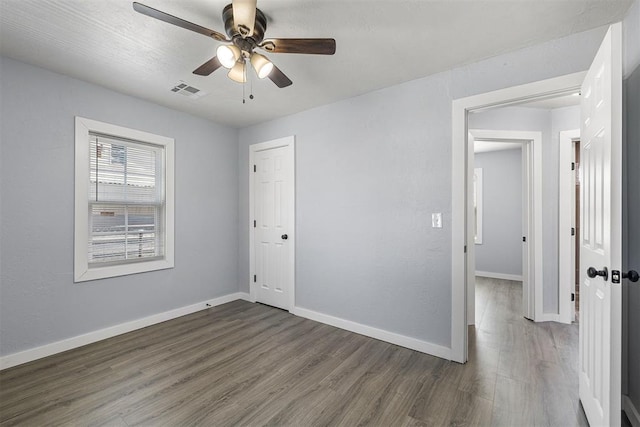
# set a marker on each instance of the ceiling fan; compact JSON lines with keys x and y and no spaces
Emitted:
{"x":245,"y":26}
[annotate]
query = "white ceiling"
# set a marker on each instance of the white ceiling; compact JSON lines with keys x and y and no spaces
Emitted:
{"x":379,"y":44}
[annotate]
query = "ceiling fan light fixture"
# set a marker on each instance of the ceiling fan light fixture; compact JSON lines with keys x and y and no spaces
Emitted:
{"x":237,"y":73}
{"x":261,"y":64}
{"x":228,"y":55}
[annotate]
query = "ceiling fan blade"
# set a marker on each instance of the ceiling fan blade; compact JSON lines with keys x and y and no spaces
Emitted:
{"x":244,"y":16}
{"x":162,"y":16}
{"x":208,"y":67}
{"x":279,"y":78}
{"x":308,"y":46}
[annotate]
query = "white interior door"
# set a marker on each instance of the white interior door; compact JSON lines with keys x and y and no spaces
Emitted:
{"x":600,"y":240}
{"x":273,"y":223}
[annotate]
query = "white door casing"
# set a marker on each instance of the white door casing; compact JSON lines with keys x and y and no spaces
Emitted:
{"x":272,"y":224}
{"x":460,"y":221}
{"x":531,"y":288}
{"x":600,"y":342}
{"x":566,"y":221}
{"x":531,"y":219}
{"x":470,"y":238}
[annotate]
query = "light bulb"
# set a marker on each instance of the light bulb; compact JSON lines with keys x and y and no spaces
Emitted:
{"x":261,"y":64}
{"x":237,"y":73}
{"x":228,"y":55}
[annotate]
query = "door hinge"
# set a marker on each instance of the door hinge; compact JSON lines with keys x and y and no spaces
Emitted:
{"x":573,"y":296}
{"x":255,"y":278}
{"x":573,"y":231}
{"x":254,"y":223}
{"x":465,"y":249}
{"x":524,"y":238}
{"x":254,"y":168}
{"x":573,"y":166}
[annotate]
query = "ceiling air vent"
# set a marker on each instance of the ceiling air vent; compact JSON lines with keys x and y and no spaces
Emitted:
{"x":186,"y":90}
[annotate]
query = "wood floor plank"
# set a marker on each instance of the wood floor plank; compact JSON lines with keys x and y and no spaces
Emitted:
{"x":249,"y":364}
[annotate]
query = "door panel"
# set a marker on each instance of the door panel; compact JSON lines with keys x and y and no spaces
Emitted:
{"x":600,"y":299}
{"x":273,"y":202}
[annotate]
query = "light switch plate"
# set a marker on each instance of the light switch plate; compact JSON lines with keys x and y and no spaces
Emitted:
{"x":436,"y":220}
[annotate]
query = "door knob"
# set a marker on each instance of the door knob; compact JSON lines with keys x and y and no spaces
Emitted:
{"x":284,"y":237}
{"x":592,"y":272}
{"x":632,"y":275}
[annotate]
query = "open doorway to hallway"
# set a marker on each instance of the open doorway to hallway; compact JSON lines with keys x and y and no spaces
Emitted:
{"x":537,"y":361}
{"x":516,"y":245}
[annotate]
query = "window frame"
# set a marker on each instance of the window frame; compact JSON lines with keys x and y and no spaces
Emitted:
{"x":83,"y":270}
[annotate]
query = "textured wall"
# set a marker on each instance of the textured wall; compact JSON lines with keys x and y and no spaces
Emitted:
{"x":501,"y":248}
{"x":39,"y":302}
{"x":370,"y":171}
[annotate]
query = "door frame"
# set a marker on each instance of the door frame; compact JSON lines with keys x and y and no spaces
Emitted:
{"x":288,"y":142}
{"x":461,"y":221}
{"x":531,"y":142}
{"x":566,"y":217}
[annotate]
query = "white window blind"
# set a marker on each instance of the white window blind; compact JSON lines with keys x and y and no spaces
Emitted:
{"x":126,"y":200}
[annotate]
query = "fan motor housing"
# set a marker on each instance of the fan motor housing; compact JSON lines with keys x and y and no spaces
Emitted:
{"x":259,"y":28}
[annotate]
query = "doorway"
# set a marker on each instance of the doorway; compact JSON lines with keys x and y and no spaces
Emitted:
{"x":462,"y":234}
{"x":512,"y":230}
{"x":272,"y":222}
{"x":601,"y":237}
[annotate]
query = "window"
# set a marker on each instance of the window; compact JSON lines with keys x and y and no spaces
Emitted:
{"x":124,"y":201}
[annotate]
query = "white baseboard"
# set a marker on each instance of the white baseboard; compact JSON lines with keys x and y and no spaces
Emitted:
{"x":549,"y":317}
{"x":514,"y":277}
{"x":15,"y":359}
{"x":380,"y":334}
{"x":32,"y":354}
{"x":244,"y":296}
{"x":630,"y":409}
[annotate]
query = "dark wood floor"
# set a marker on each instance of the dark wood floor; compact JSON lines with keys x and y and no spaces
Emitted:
{"x":248,"y":364}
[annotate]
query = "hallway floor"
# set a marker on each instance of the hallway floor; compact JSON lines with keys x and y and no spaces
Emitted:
{"x":531,"y":368}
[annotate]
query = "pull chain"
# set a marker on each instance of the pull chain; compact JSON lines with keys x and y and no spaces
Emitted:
{"x":244,"y":74}
{"x":250,"y":86}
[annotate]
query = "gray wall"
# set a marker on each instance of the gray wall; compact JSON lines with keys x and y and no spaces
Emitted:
{"x":370,"y":171}
{"x":39,"y":302}
{"x":501,"y":248}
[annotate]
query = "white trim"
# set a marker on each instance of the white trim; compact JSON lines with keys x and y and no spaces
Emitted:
{"x":630,"y":409}
{"x":19,"y":358}
{"x":477,"y":179}
{"x":504,"y":276}
{"x":460,"y":110}
{"x":549,"y":317}
{"x":566,"y":215}
{"x":81,"y":270}
{"x":531,"y":218}
{"x":380,"y":334}
{"x":288,"y":141}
